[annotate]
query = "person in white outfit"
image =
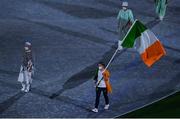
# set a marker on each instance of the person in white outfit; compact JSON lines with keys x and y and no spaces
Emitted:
{"x":25,"y":75}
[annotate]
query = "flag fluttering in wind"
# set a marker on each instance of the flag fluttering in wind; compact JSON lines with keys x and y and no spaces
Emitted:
{"x":145,"y":42}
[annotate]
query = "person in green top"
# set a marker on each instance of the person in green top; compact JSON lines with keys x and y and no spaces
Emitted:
{"x":125,"y":20}
{"x":161,"y":6}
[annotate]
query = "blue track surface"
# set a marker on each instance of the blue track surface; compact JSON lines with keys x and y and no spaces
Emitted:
{"x":69,"y":37}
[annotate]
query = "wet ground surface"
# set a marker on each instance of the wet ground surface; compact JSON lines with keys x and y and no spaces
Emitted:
{"x":69,"y":38}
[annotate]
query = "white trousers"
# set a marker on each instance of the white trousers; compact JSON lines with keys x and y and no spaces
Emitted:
{"x":25,"y":79}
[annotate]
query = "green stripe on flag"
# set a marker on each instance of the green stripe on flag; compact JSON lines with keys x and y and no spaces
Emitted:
{"x":133,"y":33}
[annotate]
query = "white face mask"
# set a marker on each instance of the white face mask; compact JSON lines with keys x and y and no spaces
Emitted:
{"x":124,"y":8}
{"x":26,"y":48}
{"x":100,"y":68}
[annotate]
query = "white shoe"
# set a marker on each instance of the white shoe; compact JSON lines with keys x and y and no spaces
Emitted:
{"x":23,"y":87}
{"x":161,"y":18}
{"x":26,"y":90}
{"x":95,"y":110}
{"x":106,"y":107}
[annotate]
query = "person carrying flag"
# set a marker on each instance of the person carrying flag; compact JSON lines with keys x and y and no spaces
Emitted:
{"x":102,"y":85}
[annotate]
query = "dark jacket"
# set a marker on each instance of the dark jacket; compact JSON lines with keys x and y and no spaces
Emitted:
{"x":27,"y":58}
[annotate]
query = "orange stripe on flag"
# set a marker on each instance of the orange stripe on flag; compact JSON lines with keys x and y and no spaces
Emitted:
{"x":153,"y":53}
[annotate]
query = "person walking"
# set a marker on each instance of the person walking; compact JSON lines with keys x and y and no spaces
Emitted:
{"x":101,"y":79}
{"x":161,"y":6}
{"x":125,"y":20}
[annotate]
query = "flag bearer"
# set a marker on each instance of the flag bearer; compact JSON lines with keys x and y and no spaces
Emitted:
{"x":26,"y":68}
{"x":125,"y":20}
{"x":102,"y":85}
{"x":161,"y":8}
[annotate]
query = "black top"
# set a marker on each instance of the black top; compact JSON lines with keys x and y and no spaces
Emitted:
{"x":27,"y":57}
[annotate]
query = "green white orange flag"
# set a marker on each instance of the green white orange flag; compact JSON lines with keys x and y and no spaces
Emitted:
{"x":145,"y":42}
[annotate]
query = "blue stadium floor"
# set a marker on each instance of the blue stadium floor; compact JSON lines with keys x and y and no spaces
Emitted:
{"x":69,"y":38}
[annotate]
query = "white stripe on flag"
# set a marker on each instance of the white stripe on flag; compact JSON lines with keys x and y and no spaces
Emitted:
{"x":146,"y":39}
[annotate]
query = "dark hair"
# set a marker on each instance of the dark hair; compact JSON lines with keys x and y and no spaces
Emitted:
{"x":102,"y":63}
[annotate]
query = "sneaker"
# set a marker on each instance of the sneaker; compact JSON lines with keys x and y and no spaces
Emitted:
{"x":161,"y":18}
{"x":26,"y":90}
{"x":23,"y":89}
{"x":95,"y":110}
{"x":106,"y":107}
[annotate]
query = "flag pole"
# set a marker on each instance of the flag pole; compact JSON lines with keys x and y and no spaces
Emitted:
{"x":129,"y":30}
{"x":111,"y":59}
{"x":117,"y":48}
{"x":108,"y":65}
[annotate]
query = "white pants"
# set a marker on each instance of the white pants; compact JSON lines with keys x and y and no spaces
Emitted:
{"x":25,"y":79}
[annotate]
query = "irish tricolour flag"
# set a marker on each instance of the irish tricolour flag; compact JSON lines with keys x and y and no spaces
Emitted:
{"x":145,"y":42}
